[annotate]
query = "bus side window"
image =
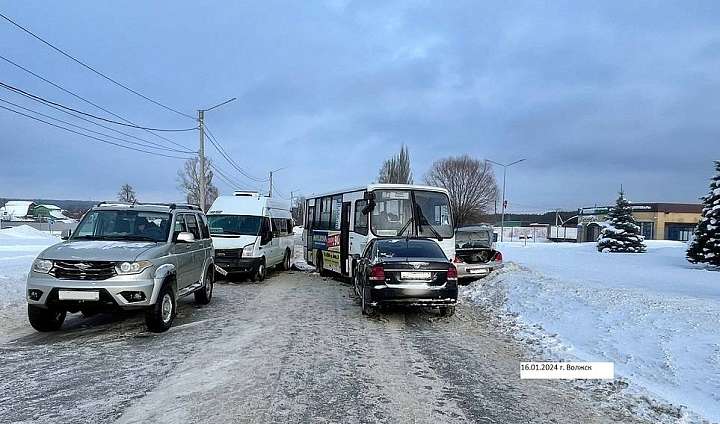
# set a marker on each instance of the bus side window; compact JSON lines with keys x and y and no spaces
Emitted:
{"x":310,"y":217}
{"x":361,"y":220}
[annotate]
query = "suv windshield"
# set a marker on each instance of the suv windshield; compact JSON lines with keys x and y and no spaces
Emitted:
{"x":472,"y":239}
{"x":248,"y":225}
{"x":409,"y":248}
{"x":131,"y":225}
{"x":393,"y":214}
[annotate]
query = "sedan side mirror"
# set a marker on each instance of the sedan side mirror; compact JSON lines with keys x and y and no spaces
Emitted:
{"x":185,"y":237}
{"x":65,"y":234}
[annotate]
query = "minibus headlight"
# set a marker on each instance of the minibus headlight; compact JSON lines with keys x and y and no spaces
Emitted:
{"x":248,"y":250}
{"x":127,"y":268}
{"x":42,"y":265}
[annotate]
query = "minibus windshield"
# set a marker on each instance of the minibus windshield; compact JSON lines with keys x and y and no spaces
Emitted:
{"x":234,"y":225}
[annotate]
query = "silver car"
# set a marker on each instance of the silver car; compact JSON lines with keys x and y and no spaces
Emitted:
{"x":475,"y":253}
{"x":124,"y":256}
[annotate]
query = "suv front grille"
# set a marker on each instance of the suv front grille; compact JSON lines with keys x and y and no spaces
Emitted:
{"x":83,"y":270}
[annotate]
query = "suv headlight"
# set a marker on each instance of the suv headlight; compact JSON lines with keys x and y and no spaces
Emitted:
{"x":126,"y":268}
{"x":248,"y":250}
{"x":42,"y":265}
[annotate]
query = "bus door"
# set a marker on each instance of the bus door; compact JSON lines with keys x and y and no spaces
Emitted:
{"x":344,"y":237}
{"x":309,"y":231}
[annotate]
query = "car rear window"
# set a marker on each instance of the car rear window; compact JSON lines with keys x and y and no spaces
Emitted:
{"x":409,"y":248}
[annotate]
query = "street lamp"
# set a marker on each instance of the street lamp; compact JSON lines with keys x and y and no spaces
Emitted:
{"x":505,"y":167}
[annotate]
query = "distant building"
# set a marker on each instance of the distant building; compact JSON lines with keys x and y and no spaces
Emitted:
{"x":657,"y":221}
{"x":49,"y":212}
{"x":17,"y":210}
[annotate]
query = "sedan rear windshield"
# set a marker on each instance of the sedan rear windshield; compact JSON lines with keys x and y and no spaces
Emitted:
{"x":246,"y":225}
{"x":409,"y":248}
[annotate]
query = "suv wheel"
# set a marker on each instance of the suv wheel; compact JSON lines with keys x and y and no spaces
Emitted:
{"x":204,"y":295}
{"x":43,"y":319}
{"x":259,"y":274}
{"x":159,"y":317}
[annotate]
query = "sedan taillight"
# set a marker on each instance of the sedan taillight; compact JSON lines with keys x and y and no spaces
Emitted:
{"x":498,"y":257}
{"x":377,"y":273}
{"x":452,"y":273}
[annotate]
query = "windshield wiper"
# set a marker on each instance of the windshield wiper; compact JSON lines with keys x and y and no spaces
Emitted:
{"x":138,"y":238}
{"x":432,"y":229}
{"x":404,"y":227}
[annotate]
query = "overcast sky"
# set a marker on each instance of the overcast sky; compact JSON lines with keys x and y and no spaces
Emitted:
{"x":593,"y":94}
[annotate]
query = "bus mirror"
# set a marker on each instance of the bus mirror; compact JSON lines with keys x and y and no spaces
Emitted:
{"x":369,"y":207}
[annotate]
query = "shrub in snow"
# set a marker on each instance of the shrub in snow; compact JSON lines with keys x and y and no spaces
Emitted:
{"x":705,"y":245}
{"x":620,"y":233}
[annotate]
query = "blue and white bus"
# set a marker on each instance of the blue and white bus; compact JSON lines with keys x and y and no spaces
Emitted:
{"x":339,"y":224}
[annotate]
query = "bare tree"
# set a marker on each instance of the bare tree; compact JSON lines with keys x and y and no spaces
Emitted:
{"x":470,"y":184}
{"x":396,"y":170}
{"x":127,"y":194}
{"x":189,"y":183}
{"x":298,"y":210}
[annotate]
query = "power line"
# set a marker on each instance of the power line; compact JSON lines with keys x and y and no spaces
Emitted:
{"x":85,"y":65}
{"x":90,"y":136}
{"x":221,"y":150}
{"x":85,"y":100}
{"x":148,"y":143}
{"x":89,"y":130}
{"x":44,"y":100}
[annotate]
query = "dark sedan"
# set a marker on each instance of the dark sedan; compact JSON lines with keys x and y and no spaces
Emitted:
{"x":407,"y":271}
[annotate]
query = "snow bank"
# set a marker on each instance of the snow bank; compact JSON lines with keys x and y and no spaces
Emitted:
{"x":654,"y":315}
{"x":18,"y":248}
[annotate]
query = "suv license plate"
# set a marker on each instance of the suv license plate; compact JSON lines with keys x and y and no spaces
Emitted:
{"x":415,"y":275}
{"x":78,"y":295}
{"x":478,"y":271}
{"x":221,"y":271}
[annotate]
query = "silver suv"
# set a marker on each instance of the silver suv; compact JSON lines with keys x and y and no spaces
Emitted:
{"x":124,"y":256}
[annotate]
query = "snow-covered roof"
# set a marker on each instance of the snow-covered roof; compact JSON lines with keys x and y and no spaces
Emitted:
{"x":50,"y":207}
{"x":16,"y":208}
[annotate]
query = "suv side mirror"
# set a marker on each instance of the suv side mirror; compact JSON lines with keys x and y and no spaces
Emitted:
{"x":185,"y":238}
{"x":65,"y":234}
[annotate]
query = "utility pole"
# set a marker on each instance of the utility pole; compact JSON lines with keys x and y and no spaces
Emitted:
{"x":504,"y":204}
{"x":271,"y":180}
{"x":201,"y":159}
{"x":201,"y":153}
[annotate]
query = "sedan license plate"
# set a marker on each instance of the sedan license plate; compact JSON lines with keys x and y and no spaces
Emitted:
{"x":78,"y":295}
{"x":478,"y":271}
{"x":221,"y":271}
{"x":415,"y":275}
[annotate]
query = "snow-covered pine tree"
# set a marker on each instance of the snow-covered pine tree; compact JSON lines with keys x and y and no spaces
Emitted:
{"x":705,"y":247}
{"x":620,"y":232}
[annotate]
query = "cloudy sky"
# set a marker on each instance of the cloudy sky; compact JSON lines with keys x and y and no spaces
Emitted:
{"x":593,"y":94}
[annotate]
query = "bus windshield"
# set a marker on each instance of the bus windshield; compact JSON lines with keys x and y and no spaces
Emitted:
{"x":234,"y":225}
{"x":393,"y":214}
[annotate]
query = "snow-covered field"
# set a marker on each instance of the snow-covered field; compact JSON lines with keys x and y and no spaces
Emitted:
{"x":654,"y":315}
{"x":18,"y":247}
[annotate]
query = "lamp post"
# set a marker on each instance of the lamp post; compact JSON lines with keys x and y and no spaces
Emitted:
{"x":503,"y":205}
{"x":201,"y":151}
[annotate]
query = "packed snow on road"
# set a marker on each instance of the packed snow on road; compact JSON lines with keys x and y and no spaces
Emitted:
{"x":654,"y":315}
{"x":18,"y":248}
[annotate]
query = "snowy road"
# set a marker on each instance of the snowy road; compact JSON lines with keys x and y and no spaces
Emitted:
{"x":292,"y":349}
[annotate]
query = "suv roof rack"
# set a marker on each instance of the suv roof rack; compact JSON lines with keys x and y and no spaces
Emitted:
{"x":166,"y":205}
